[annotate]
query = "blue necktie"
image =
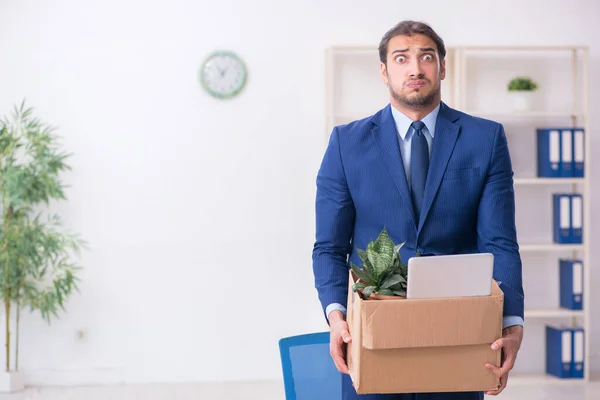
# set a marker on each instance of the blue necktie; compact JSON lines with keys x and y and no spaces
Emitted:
{"x":419,"y":164}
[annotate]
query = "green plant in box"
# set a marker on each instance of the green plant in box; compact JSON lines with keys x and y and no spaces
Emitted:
{"x":383,"y":272}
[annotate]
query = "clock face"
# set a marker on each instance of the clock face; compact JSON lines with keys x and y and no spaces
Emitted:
{"x":223,"y":74}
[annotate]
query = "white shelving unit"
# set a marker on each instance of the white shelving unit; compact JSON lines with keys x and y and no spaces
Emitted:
{"x":476,"y":83}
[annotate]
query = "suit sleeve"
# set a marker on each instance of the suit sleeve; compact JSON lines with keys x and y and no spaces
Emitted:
{"x":496,"y":226}
{"x":335,"y":216}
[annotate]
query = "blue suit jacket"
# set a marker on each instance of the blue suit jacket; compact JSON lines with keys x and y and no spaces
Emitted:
{"x":468,"y":206}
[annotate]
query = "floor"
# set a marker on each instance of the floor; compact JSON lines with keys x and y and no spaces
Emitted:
{"x":266,"y":391}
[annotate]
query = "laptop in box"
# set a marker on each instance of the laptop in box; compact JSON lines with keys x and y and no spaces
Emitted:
{"x":454,"y":275}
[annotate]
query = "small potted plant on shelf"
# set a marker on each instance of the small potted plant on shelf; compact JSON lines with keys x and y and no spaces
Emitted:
{"x":522,"y":88}
{"x":383,"y":275}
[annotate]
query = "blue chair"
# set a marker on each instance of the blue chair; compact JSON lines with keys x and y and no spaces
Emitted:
{"x":308,"y":370}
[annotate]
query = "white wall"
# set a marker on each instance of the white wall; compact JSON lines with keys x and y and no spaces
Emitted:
{"x":199,"y":212}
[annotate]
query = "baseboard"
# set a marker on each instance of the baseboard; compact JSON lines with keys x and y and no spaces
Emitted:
{"x":87,"y":383}
{"x":107,"y":376}
{"x":75,"y":377}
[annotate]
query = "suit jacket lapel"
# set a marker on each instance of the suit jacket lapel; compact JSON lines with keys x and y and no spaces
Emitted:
{"x":446,"y":133}
{"x":386,"y":135}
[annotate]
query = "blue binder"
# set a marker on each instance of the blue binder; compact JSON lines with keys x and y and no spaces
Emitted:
{"x":549,"y":153}
{"x":566,"y":153}
{"x":559,"y":351}
{"x":576,"y":218}
{"x":571,"y":284}
{"x":561,"y":221}
{"x":577,"y":359}
{"x":578,"y":152}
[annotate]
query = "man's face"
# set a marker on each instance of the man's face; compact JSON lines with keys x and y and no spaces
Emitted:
{"x":413,"y":72}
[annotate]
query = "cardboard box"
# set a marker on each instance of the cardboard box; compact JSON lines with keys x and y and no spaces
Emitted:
{"x":424,"y":345}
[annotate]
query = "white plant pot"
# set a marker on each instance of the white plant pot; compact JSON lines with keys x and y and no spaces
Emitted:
{"x":11,"y":382}
{"x":522,"y":100}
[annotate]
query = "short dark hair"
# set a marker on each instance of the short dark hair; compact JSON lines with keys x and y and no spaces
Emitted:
{"x":410,"y":28}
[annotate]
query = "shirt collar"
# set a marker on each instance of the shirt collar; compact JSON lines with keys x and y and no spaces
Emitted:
{"x":403,"y":122}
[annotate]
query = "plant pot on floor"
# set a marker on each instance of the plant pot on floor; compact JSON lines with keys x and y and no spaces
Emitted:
{"x":11,"y":382}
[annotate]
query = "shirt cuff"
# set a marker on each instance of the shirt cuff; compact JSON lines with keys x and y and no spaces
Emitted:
{"x":511,"y":320}
{"x":333,"y":307}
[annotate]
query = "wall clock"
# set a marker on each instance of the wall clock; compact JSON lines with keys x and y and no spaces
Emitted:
{"x":223,"y":74}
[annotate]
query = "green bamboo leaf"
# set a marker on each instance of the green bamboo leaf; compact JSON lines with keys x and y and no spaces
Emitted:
{"x":36,"y":258}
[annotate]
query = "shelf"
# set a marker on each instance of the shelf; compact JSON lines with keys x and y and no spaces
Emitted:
{"x":564,"y":102}
{"x":353,"y":49}
{"x":529,"y":114}
{"x":552,"y":313}
{"x":548,"y":181}
{"x":551,"y":247}
{"x":541,"y":379}
{"x":524,"y":48}
{"x":484,"y":114}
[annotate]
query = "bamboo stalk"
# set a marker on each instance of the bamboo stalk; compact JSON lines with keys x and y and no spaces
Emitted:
{"x":7,"y":345}
{"x":7,"y":294}
{"x":17,"y":337}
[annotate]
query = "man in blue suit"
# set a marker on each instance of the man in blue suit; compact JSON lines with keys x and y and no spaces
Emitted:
{"x":436,"y":178}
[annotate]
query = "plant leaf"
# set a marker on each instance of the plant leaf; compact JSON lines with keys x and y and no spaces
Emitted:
{"x":379,"y":265}
{"x":362,"y":274}
{"x":358,"y":285}
{"x":404,"y":269}
{"x":368,"y":291}
{"x":397,"y":260}
{"x":366,"y":263}
{"x":362,"y":254}
{"x":385,"y":247}
{"x":386,"y":292}
{"x":398,"y":247}
{"x":392,"y":280}
{"x":400,"y":292}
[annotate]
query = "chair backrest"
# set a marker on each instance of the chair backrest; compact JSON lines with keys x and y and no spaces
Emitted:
{"x":308,"y":370}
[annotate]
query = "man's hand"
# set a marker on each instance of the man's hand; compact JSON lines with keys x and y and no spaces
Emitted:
{"x":509,"y":344}
{"x":339,"y":336}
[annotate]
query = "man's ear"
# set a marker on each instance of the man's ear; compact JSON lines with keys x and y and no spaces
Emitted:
{"x":443,"y":69}
{"x":384,"y":77}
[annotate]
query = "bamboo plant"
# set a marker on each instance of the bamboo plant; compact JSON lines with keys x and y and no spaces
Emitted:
{"x":37,"y":268}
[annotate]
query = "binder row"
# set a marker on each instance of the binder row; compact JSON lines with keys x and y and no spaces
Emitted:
{"x":565,"y":351}
{"x":561,"y":152}
{"x":565,"y":344}
{"x":567,"y":218}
